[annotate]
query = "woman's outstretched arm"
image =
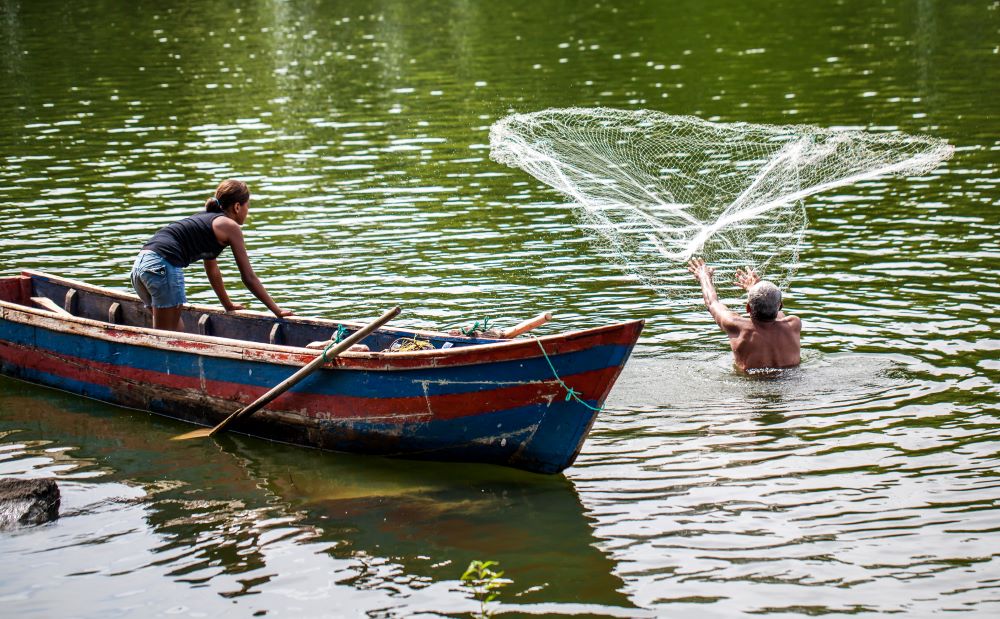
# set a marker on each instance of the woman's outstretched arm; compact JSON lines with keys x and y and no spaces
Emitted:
{"x":215,"y":278}
{"x":234,"y":235}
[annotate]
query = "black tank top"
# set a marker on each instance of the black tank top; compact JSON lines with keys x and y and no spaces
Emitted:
{"x":186,"y":241}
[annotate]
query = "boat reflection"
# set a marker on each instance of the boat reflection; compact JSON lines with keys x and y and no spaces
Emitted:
{"x":218,"y":506}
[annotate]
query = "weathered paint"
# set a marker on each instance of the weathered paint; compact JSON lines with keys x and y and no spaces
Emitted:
{"x":491,"y":401}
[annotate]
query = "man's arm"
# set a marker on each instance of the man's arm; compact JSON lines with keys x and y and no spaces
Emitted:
{"x":726,"y":319}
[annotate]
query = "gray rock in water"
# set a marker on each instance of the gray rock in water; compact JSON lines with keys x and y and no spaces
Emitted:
{"x":27,"y":501}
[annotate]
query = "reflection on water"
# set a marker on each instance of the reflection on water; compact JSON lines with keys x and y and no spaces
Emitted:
{"x":695,"y":477}
{"x":865,"y":480}
{"x":246,"y":517}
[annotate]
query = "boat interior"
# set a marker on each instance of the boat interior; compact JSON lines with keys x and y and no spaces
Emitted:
{"x":66,"y":297}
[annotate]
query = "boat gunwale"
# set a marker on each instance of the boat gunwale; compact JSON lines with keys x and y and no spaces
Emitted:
{"x":247,"y":350}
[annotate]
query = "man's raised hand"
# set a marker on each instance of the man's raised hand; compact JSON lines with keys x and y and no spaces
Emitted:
{"x":700,"y":270}
{"x":745,"y":279}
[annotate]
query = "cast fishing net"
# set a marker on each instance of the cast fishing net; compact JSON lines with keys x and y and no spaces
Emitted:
{"x":660,"y":188}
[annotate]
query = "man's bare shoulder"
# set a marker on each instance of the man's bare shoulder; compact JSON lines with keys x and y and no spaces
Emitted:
{"x":793,"y":321}
{"x":782,"y":323}
{"x":733,"y":322}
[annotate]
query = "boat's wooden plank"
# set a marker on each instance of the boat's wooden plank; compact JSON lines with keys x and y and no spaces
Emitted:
{"x":71,"y":301}
{"x":25,"y":290}
{"x":115,"y":313}
{"x":93,"y":324}
{"x":204,"y":326}
{"x":50,"y":305}
{"x":292,"y":355}
{"x":217,"y":347}
{"x":13,"y":290}
{"x":243,"y":325}
{"x":55,"y":280}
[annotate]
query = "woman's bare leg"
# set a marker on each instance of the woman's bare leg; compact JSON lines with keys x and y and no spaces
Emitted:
{"x":168,"y":318}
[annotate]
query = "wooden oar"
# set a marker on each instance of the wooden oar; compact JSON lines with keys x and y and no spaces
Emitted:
{"x":294,"y":379}
{"x":527,"y":325}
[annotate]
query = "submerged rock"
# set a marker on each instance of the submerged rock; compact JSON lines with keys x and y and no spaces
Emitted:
{"x":28,"y":501}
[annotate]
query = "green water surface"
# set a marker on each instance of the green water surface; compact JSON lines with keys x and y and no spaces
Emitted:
{"x":862,"y":483}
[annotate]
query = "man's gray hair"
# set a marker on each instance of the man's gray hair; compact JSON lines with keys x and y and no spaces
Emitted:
{"x":764,"y":300}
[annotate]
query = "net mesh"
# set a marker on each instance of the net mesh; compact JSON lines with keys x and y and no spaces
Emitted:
{"x":660,"y":188}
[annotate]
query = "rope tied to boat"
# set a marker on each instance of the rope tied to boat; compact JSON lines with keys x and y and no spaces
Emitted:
{"x":341,"y":334}
{"x":327,"y":349}
{"x":337,"y":338}
{"x":476,"y":327}
{"x":571,"y":393}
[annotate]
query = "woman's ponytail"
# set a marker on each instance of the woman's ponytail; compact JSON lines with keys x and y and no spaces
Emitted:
{"x":212,"y":205}
{"x":228,"y":193}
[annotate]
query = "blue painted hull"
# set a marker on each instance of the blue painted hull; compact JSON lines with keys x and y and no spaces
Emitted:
{"x":498,"y":402}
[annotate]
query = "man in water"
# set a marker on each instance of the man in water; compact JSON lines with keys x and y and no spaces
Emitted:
{"x":764,"y":339}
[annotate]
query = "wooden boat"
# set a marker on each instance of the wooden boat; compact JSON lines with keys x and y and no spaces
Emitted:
{"x":528,"y":403}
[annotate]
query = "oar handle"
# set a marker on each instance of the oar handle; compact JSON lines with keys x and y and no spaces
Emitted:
{"x":307,"y":369}
{"x":527,"y":325}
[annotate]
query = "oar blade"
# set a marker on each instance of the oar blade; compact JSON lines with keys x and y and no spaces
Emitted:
{"x":199,"y":433}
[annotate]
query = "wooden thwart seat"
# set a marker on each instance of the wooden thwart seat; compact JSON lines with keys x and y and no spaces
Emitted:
{"x":50,"y":305}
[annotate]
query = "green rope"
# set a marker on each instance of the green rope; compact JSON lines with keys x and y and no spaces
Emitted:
{"x":476,"y":327}
{"x":338,"y":338}
{"x":570,"y":392}
{"x":341,"y":334}
{"x":327,"y":349}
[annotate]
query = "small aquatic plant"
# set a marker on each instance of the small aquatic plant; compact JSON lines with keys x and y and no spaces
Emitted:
{"x":484,"y":583}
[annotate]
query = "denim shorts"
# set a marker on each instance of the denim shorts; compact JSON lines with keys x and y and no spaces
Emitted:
{"x":157,"y":282}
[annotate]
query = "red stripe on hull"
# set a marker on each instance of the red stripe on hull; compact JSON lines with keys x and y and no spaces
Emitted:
{"x":446,"y":406}
{"x":593,"y":385}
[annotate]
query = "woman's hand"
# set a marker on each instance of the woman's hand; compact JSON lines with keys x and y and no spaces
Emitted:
{"x":281,"y":313}
{"x":235,"y":307}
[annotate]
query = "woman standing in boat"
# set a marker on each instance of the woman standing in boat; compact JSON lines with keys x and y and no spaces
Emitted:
{"x":158,"y":272}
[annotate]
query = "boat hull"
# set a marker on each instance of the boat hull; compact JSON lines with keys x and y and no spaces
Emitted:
{"x":497,"y":403}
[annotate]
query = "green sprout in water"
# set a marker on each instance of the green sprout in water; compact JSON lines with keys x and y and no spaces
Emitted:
{"x":484,"y":583}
